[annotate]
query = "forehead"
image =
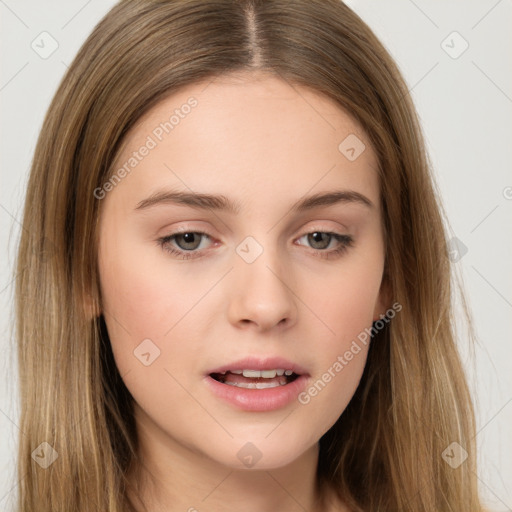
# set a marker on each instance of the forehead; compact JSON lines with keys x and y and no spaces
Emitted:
{"x":247,"y":132}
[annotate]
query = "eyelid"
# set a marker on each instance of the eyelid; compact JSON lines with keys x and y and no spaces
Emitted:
{"x":345,"y":241}
{"x":324,"y":229}
{"x":315,"y":227}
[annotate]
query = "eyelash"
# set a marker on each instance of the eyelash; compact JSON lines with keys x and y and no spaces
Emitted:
{"x":345,"y":241}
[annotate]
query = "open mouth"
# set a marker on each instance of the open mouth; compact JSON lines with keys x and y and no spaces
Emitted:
{"x":255,"y":379}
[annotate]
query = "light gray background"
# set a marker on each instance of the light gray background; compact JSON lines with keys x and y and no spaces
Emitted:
{"x":465,"y":105}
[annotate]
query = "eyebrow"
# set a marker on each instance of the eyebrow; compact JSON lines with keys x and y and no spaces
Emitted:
{"x":222,"y":203}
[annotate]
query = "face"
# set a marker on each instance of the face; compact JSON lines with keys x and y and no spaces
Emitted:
{"x":208,"y":299}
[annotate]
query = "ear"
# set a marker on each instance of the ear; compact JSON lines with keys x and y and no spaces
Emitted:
{"x":383,"y":301}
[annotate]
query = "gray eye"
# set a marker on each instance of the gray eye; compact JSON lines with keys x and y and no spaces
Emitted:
{"x":191,"y":240}
{"x":318,"y":240}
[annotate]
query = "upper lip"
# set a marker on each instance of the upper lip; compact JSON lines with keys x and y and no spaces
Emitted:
{"x":260,"y":363}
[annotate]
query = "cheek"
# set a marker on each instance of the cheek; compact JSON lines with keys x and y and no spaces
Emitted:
{"x":340,"y":357}
{"x":142,"y":291}
{"x":345,"y":305}
{"x":141,"y":302}
{"x":345,"y":299}
{"x":147,"y":312}
{"x":329,"y":392}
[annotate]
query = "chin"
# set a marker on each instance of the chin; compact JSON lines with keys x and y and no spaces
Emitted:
{"x":261,"y":453}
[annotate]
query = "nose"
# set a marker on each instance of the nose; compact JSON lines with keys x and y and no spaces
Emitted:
{"x":263,"y":297}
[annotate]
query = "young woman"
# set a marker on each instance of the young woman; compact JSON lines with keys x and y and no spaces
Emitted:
{"x":234,"y":285}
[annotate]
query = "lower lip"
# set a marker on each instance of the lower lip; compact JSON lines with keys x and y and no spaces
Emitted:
{"x":258,"y":400}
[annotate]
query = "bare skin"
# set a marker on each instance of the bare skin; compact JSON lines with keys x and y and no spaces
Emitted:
{"x":264,"y":144}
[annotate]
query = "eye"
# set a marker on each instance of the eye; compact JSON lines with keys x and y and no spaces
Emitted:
{"x":321,"y":240}
{"x":188,"y":242}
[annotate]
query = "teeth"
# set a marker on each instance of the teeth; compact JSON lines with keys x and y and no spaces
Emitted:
{"x":264,"y":385}
{"x":257,"y":385}
{"x":255,"y":374}
{"x":266,"y":374}
{"x":251,"y":373}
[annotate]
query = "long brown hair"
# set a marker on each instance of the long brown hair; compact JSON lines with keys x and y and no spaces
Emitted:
{"x":385,"y":451}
